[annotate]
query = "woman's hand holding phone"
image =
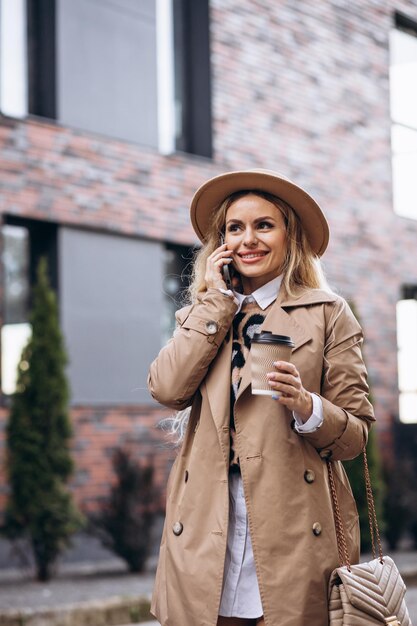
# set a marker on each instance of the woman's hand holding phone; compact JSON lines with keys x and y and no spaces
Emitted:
{"x":216,"y":262}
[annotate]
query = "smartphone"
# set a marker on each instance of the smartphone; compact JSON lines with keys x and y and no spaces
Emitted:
{"x":226,"y":271}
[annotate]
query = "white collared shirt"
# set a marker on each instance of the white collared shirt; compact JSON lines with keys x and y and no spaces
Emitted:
{"x":264,"y":296}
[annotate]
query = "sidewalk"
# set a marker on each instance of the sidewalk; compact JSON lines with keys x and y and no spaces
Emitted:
{"x":101,"y":583}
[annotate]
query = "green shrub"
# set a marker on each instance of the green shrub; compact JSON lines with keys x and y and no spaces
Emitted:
{"x":125,"y":522}
{"x":39,"y":463}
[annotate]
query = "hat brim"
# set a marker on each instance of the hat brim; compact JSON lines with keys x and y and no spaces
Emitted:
{"x":212,"y":193}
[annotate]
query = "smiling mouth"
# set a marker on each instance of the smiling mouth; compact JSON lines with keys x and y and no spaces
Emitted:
{"x":252,"y":255}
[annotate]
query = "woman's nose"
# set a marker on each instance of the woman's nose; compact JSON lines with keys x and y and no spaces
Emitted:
{"x":249,"y":238}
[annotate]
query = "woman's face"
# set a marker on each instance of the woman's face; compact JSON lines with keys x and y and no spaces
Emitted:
{"x":255,"y":233}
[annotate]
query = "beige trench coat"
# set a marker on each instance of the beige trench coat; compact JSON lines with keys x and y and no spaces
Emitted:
{"x":284,"y":473}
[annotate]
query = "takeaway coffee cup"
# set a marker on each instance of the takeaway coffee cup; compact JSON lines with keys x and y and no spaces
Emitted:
{"x":267,"y":348}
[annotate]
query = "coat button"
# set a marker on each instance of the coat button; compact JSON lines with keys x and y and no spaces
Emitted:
{"x":212,"y":327}
{"x":325,"y":453}
{"x":316,"y":529}
{"x":309,"y":476}
{"x":177,"y":528}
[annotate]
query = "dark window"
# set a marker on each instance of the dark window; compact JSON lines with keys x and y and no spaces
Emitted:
{"x":41,"y":58}
{"x":24,"y":242}
{"x":192,"y":77}
{"x":92,"y":65}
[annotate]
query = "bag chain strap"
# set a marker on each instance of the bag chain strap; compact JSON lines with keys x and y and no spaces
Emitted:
{"x":340,"y":529}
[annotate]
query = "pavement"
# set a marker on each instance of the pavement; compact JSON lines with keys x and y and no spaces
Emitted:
{"x":95,"y":581}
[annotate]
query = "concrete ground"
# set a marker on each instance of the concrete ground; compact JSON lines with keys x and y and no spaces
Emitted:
{"x":80,"y":583}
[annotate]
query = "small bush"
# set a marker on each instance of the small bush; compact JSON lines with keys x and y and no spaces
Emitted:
{"x":125,"y":522}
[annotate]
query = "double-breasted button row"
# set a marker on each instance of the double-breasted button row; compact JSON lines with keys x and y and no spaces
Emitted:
{"x":309,"y":476}
{"x":325,"y":453}
{"x":177,"y":528}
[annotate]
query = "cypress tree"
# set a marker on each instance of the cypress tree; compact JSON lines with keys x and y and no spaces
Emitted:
{"x":40,"y":506}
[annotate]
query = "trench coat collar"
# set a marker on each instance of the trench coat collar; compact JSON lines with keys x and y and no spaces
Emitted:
{"x":277,"y":321}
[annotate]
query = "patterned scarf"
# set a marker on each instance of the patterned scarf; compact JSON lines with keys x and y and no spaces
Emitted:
{"x":245,"y":324}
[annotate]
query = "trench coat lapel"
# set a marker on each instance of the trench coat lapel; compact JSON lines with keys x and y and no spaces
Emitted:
{"x":217,"y":384}
{"x":279,"y":322}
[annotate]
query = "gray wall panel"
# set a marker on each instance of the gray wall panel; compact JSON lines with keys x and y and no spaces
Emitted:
{"x":111,"y":308}
{"x":106,"y":67}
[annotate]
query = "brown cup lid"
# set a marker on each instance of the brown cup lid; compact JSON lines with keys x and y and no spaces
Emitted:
{"x":267,"y":337}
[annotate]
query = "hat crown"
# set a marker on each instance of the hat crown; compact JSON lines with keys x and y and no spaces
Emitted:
{"x":213,"y":192}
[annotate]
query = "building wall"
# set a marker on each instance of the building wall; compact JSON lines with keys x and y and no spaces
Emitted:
{"x":97,"y":432}
{"x":302,"y":88}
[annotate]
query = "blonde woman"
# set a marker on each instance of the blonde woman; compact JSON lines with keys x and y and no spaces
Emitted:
{"x":249,"y":534}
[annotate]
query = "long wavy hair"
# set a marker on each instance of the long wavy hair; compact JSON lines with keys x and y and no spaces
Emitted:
{"x":301,"y":268}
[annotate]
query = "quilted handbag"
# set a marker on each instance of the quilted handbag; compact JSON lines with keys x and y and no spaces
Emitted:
{"x":369,"y":593}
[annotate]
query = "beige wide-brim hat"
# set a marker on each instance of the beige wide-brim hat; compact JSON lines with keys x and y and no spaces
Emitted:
{"x":212,"y":193}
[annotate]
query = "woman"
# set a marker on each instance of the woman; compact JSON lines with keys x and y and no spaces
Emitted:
{"x":249,"y":534}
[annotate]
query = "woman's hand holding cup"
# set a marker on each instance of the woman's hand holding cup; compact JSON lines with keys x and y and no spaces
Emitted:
{"x":286,"y":382}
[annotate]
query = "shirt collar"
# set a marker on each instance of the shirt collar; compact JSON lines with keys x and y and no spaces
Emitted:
{"x":263,"y":296}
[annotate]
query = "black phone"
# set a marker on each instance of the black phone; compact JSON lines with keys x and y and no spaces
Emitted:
{"x":226,"y":271}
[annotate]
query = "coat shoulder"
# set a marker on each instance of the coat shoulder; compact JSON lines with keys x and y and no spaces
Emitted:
{"x":309,"y":296}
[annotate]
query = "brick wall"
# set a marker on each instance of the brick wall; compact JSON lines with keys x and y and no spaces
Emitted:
{"x":299,"y":87}
{"x":98,"y":432}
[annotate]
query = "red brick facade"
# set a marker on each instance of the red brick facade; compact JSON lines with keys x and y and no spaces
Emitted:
{"x":302,"y":88}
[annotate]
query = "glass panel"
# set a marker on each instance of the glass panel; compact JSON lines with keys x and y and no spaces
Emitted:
{"x":407,"y":359}
{"x":14,"y":338}
{"x":404,"y":167}
{"x":403,"y":77}
{"x":408,"y":408}
{"x":16,"y":330}
{"x":16,"y":273}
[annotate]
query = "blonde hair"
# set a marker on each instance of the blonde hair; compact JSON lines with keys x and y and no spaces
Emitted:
{"x":301,"y":268}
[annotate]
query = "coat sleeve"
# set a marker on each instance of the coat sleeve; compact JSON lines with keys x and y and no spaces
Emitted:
{"x":182,"y":364}
{"x":347,"y":411}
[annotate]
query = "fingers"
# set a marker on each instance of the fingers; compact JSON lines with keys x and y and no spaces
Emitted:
{"x":289,"y":386}
{"x":287,"y":381}
{"x":217,"y":259}
{"x":288,"y":389}
{"x":220,"y":253}
{"x":285,"y":366}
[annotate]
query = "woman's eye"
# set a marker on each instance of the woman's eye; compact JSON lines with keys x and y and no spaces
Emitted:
{"x":264,"y":225}
{"x":232,"y":228}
